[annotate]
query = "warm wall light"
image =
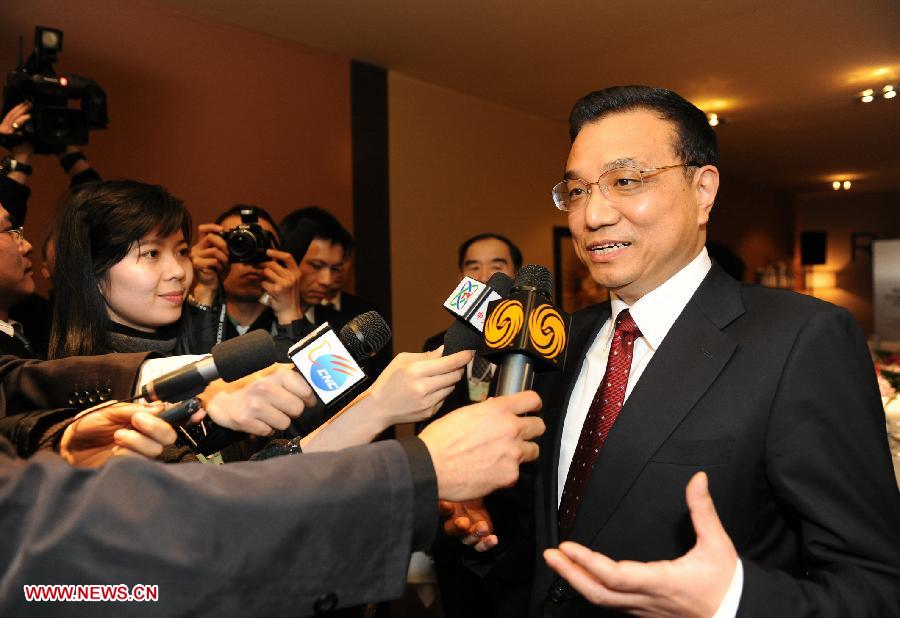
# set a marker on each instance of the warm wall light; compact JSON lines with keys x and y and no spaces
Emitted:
{"x":713,"y":119}
{"x":868,"y":95}
{"x":836,"y":185}
{"x":846,"y":185}
{"x":889,"y":92}
{"x":821,"y":280}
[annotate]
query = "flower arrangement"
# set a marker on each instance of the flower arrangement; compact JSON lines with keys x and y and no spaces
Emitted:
{"x":887,"y":369}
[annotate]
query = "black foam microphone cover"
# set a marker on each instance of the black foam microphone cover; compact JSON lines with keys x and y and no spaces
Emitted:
{"x":241,"y":356}
{"x":537,"y":277}
{"x":461,"y":336}
{"x":501,"y":283}
{"x":365,"y":335}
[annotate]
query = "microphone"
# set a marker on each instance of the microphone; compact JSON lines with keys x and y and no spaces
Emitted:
{"x":366,"y":335}
{"x":181,"y":412}
{"x":325,"y":363}
{"x":330,"y":362}
{"x":525,"y":333}
{"x":362,"y":337}
{"x":469,"y":300}
{"x":465,"y":334}
{"x":460,"y":336}
{"x":229,"y":360}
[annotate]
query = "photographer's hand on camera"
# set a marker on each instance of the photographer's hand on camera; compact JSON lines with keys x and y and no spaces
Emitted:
{"x":15,"y":119}
{"x":281,"y":281}
{"x":210,"y":259}
{"x":21,"y":153}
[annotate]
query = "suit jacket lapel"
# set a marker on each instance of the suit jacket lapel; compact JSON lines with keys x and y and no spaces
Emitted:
{"x":687,"y":362}
{"x":586,"y":325}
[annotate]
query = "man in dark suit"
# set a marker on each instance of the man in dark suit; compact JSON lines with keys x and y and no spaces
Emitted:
{"x":16,"y":283}
{"x":764,"y":400}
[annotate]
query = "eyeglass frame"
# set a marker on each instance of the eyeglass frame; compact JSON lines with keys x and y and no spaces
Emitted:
{"x":604,"y":188}
{"x":18,"y":233}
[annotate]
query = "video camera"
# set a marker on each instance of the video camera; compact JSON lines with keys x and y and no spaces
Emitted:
{"x":54,"y":124}
{"x":249,"y":241}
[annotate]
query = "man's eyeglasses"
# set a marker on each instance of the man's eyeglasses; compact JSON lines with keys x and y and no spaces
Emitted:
{"x":18,"y":233}
{"x":618,"y":185}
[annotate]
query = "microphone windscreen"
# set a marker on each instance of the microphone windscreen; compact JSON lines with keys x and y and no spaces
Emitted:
{"x":241,"y":356}
{"x":535,"y":276}
{"x":365,"y":335}
{"x":501,"y":283}
{"x":296,"y":239}
{"x":461,"y":336}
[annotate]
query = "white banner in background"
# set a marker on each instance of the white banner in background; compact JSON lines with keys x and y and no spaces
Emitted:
{"x":886,"y":289}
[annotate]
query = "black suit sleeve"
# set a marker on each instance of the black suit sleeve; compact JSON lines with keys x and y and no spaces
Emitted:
{"x":259,"y":538}
{"x":32,"y":393}
{"x":828,"y":465}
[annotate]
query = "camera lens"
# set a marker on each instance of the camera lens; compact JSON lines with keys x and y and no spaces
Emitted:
{"x":242,"y":244}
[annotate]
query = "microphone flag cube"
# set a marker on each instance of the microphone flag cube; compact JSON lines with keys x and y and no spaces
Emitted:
{"x":326,"y":364}
{"x":469,"y":302}
{"x":525,"y":323}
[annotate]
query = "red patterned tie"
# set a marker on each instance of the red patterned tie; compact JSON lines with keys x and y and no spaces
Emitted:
{"x":600,"y":418}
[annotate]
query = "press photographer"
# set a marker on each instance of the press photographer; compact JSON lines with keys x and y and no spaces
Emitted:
{"x":246,"y":279}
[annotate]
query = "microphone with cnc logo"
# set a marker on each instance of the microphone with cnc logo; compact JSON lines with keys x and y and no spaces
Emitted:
{"x":330,"y":362}
{"x":230,"y":360}
{"x":525,"y":333}
{"x":329,"y":365}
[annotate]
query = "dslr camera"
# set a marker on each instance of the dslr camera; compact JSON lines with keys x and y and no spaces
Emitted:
{"x":54,"y":123}
{"x":248,"y":242}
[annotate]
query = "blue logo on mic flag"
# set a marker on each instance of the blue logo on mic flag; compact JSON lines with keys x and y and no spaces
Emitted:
{"x":331,"y":371}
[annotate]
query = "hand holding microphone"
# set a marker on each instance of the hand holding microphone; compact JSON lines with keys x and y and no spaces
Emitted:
{"x":260,"y":403}
{"x":254,"y":395}
{"x":414,"y":385}
{"x":119,"y":429}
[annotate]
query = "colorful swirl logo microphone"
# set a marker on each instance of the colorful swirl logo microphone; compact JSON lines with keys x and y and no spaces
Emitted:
{"x":330,"y":371}
{"x":504,"y":324}
{"x":547,"y":331}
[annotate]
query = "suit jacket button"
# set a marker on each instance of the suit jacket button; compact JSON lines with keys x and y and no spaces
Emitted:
{"x":325,"y":603}
{"x":556,"y":595}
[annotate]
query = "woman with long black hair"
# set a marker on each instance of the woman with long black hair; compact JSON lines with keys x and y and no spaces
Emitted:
{"x":122,"y":272}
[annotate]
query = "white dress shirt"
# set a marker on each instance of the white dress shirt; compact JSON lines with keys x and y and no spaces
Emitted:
{"x":654,"y":313}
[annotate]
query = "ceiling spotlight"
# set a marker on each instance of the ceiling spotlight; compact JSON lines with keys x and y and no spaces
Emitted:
{"x":836,"y":185}
{"x":713,"y":119}
{"x":889,"y":92}
{"x":846,"y":185}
